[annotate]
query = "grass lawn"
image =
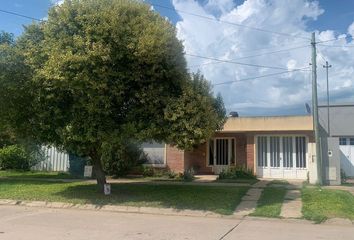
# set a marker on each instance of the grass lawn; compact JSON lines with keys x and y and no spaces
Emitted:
{"x":218,"y":199}
{"x":36,"y":174}
{"x":321,"y":204}
{"x":279,"y":182}
{"x":270,"y":202}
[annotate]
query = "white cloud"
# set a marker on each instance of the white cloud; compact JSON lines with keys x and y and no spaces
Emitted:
{"x":351,"y":30}
{"x":57,"y":2}
{"x":225,"y":41}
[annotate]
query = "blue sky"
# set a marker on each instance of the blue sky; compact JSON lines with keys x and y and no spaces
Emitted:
{"x":338,"y":15}
{"x":283,"y":94}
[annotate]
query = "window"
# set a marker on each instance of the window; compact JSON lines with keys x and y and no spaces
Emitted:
{"x":262,"y":151}
{"x":211,"y":152}
{"x":222,"y":151}
{"x":342,"y":141}
{"x":275,"y":152}
{"x":233,"y":157}
{"x":351,"y":141}
{"x":300,"y":145}
{"x":155,"y":153}
{"x":288,"y":152}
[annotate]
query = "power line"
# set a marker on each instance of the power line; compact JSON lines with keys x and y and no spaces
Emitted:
{"x":261,"y":54}
{"x":227,"y":22}
{"x":324,"y":45}
{"x":263,"y":76}
{"x":237,"y":63}
{"x":21,"y":15}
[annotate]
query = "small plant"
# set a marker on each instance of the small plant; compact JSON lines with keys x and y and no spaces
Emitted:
{"x":172,"y":174}
{"x":148,"y":171}
{"x":237,"y":173}
{"x":343,"y":176}
{"x":188,"y":175}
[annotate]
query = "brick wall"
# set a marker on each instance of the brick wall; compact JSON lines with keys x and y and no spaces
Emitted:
{"x":250,"y":152}
{"x":196,"y":159}
{"x":241,"y":156}
{"x":174,"y":159}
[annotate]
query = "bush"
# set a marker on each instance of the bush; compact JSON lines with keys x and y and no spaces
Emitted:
{"x":237,"y":173}
{"x":120,"y":160}
{"x":148,"y":171}
{"x":17,"y":157}
{"x":188,"y":175}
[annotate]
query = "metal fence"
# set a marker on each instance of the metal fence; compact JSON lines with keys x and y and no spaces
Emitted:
{"x":55,"y":160}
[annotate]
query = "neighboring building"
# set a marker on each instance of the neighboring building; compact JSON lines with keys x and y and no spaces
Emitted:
{"x":273,"y":147}
{"x":337,"y":141}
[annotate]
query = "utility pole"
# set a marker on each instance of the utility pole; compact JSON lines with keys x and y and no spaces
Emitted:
{"x":328,"y":125}
{"x":315,"y":109}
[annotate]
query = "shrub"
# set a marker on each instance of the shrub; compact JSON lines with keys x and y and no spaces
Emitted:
{"x":237,"y":173}
{"x":148,"y":171}
{"x":17,"y":157}
{"x":119,"y":160}
{"x":188,"y":175}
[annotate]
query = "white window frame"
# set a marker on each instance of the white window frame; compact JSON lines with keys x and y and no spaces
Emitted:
{"x":230,"y":151}
{"x":159,"y":165}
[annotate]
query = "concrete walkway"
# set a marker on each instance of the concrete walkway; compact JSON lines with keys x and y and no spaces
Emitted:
{"x":292,"y":205}
{"x":248,"y":203}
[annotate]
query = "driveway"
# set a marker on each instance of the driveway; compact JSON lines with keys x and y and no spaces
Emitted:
{"x":17,"y":223}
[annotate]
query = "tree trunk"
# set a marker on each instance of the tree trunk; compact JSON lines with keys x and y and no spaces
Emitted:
{"x":98,"y":170}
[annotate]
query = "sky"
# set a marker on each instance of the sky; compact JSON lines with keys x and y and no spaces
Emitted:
{"x":274,"y":35}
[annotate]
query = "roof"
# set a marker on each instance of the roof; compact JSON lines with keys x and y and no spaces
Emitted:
{"x":272,"y":123}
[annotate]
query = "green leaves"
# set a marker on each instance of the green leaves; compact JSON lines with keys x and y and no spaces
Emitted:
{"x":99,"y":70}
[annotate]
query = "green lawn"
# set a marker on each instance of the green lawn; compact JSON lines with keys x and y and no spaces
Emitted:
{"x":278,"y":182}
{"x":321,"y":204}
{"x":36,"y":174}
{"x":218,"y":199}
{"x":270,"y":202}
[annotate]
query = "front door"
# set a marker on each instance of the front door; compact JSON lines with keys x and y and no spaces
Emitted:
{"x":282,"y":157}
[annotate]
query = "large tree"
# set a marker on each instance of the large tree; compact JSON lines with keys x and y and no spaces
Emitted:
{"x":98,"y":70}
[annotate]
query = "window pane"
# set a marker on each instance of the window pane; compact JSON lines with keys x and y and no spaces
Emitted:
{"x":155,"y":152}
{"x":288,"y":152}
{"x":211,"y":152}
{"x":275,"y":151}
{"x":351,"y":141}
{"x":300,"y":152}
{"x":262,"y":151}
{"x":342,"y":141}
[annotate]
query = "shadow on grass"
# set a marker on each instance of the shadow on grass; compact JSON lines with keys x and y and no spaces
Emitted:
{"x":218,"y":199}
{"x":222,"y":200}
{"x":270,"y":202}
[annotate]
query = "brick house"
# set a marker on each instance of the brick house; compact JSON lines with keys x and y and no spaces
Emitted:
{"x":273,"y":147}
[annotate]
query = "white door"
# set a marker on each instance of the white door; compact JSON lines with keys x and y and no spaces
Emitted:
{"x":346,"y":146}
{"x":282,"y":157}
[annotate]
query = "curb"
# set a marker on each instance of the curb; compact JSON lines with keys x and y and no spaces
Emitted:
{"x":160,"y":211}
{"x":114,"y":208}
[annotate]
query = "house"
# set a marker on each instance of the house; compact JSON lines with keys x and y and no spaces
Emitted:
{"x":337,"y":141}
{"x":273,"y":147}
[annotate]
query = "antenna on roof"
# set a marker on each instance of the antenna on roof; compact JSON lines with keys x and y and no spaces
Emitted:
{"x":308,"y":108}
